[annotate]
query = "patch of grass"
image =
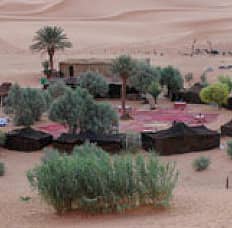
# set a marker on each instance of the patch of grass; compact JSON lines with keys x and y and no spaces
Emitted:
{"x":25,"y":198}
{"x":229,"y":149}
{"x":2,"y":169}
{"x":201,"y":163}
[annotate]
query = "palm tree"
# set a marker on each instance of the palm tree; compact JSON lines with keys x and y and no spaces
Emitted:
{"x":123,"y":66}
{"x":50,"y":39}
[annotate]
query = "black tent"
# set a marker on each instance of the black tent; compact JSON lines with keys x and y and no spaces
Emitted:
{"x":226,"y":129}
{"x":181,"y":138}
{"x":27,"y":140}
{"x":110,"y":143}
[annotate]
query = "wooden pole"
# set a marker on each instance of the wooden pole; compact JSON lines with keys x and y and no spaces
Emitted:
{"x":227,"y":183}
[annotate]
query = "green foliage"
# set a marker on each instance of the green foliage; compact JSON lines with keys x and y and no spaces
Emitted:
{"x":2,"y":169}
{"x":201,"y":163}
{"x":77,"y":109}
{"x":123,"y":66}
{"x":91,"y":180}
{"x":94,"y":83}
{"x":46,"y":69}
{"x":216,"y":93}
{"x":104,"y":119}
{"x":49,"y":154}
{"x":133,"y":142}
{"x":50,"y":37}
{"x":2,"y":138}
{"x":154,"y":89}
{"x":27,"y":105}
{"x":56,"y":90}
{"x":25,"y":198}
{"x":226,"y":80}
{"x":172,"y":79}
{"x":229,"y":149}
{"x":143,"y":77}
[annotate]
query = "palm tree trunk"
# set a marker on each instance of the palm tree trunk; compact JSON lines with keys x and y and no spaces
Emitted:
{"x":124,"y":81}
{"x":51,"y":61}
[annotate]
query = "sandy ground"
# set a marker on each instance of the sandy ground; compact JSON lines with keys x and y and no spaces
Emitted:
{"x":200,"y":199}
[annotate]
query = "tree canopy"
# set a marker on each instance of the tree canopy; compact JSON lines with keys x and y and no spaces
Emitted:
{"x":78,"y":110}
{"x":27,"y":105}
{"x":143,"y":76}
{"x":216,"y":93}
{"x":172,"y":79}
{"x":50,"y":39}
{"x":94,"y":83}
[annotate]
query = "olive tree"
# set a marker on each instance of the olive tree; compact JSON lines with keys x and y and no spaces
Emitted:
{"x":155,"y":90}
{"x":26,"y":105}
{"x":216,"y":93}
{"x":172,"y":79}
{"x":94,"y":83}
{"x":78,"y":110}
{"x":143,"y":76}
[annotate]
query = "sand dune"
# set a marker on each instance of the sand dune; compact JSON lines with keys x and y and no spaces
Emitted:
{"x":158,"y":29}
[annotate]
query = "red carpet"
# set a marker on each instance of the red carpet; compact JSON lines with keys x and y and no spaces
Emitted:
{"x":141,"y":119}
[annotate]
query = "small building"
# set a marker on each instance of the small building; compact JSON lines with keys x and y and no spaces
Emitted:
{"x":75,"y":67}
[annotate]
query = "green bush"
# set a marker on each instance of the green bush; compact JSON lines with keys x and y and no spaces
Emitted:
{"x":133,"y":143}
{"x":91,"y":180}
{"x":216,"y":93}
{"x":94,"y":83}
{"x":2,"y":138}
{"x":201,"y":163}
{"x":78,"y":110}
{"x":26,"y":104}
{"x":2,"y":169}
{"x":229,"y":149}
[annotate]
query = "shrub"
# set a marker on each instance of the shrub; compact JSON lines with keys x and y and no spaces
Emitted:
{"x":27,"y":105}
{"x":229,"y":149}
{"x":49,"y":154}
{"x":133,"y":142}
{"x":216,"y":93}
{"x":57,"y":89}
{"x":2,"y":138}
{"x":201,"y":163}
{"x":2,"y":169}
{"x":94,"y":83}
{"x":226,"y":80}
{"x":91,"y":180}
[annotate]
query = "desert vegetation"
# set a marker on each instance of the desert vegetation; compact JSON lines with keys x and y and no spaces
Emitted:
{"x":50,"y":39}
{"x":92,"y":181}
{"x":201,"y":163}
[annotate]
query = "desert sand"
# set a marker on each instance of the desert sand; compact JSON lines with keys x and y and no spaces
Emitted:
{"x":200,"y":200}
{"x":162,"y":30}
